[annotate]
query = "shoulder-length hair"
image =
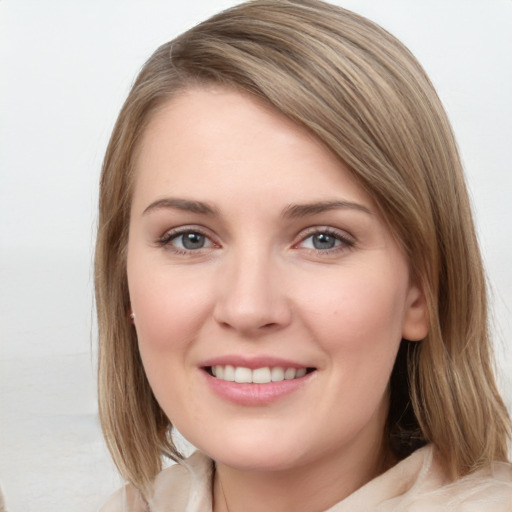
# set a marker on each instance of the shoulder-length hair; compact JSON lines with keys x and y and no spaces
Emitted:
{"x":363,"y":94}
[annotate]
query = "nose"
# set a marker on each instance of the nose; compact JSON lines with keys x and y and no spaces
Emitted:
{"x":251,"y":297}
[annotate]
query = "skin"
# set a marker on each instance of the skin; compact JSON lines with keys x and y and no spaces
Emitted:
{"x":259,"y":287}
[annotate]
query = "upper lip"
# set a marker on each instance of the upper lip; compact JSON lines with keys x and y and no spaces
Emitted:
{"x":252,"y":362}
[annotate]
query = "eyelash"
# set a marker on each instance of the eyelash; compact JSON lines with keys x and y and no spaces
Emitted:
{"x":345,"y":242}
{"x":167,"y":238}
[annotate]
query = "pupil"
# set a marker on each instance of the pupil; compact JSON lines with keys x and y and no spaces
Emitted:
{"x":193,"y":241}
{"x":323,"y":241}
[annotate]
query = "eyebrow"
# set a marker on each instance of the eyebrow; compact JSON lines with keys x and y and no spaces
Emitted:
{"x":302,"y":210}
{"x":186,"y":205}
{"x":291,"y":211}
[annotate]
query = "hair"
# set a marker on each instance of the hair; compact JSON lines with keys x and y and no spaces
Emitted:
{"x":364,"y":95}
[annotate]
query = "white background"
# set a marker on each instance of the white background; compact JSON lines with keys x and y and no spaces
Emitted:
{"x":65,"y":68}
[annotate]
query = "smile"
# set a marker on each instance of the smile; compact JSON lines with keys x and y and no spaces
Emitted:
{"x":251,"y":384}
{"x":264,"y":375}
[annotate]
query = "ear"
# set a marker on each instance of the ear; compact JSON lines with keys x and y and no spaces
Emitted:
{"x":416,"y":318}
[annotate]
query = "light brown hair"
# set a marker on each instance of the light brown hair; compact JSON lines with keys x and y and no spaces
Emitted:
{"x":363,"y":94}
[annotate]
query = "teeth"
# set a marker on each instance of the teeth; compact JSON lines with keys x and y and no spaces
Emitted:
{"x":290,"y":373}
{"x":300,"y":372}
{"x":277,"y":374}
{"x":229,"y":373}
{"x":263,"y":375}
{"x":243,"y":375}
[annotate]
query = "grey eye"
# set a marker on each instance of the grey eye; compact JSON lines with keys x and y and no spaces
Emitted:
{"x":323,"y":241}
{"x":191,"y":241}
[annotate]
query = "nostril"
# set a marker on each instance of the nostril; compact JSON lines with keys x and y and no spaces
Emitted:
{"x":225,"y":325}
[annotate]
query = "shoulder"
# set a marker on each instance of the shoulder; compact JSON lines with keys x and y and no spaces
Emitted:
{"x":126,"y":499}
{"x":420,"y":484}
{"x":488,"y":489}
{"x":172,"y":490}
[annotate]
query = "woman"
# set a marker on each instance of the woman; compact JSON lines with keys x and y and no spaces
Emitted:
{"x":287,"y":272}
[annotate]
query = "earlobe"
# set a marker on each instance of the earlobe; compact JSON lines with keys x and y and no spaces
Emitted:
{"x":416,"y":319}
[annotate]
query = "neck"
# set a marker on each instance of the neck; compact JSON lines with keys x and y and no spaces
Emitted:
{"x":310,"y":487}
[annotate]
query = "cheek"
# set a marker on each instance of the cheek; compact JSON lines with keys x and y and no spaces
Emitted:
{"x":169,"y":307}
{"x":357,"y":323}
{"x":170,"y":311}
{"x":360,"y":315}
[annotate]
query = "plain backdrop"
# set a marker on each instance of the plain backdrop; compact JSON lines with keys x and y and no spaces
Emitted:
{"x":66,"y":67}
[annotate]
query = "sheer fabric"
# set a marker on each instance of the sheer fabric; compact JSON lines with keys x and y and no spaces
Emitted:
{"x":416,"y":484}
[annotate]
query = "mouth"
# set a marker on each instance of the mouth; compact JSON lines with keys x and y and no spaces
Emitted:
{"x":263,"y":375}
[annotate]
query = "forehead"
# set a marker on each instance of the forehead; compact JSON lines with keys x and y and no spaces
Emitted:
{"x":216,"y":143}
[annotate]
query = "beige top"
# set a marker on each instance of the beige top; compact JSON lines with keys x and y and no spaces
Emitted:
{"x":416,"y":484}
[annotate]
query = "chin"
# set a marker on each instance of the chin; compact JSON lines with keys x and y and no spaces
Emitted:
{"x":252,"y":453}
{"x":265,"y":461}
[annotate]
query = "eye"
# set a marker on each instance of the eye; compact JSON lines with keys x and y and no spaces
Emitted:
{"x":186,"y":240}
{"x":321,"y":241}
{"x":326,"y":240}
{"x":190,"y":241}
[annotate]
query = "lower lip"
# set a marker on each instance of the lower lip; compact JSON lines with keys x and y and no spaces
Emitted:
{"x":255,"y":394}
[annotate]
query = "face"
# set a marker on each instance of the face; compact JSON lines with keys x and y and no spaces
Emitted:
{"x":269,"y":296}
